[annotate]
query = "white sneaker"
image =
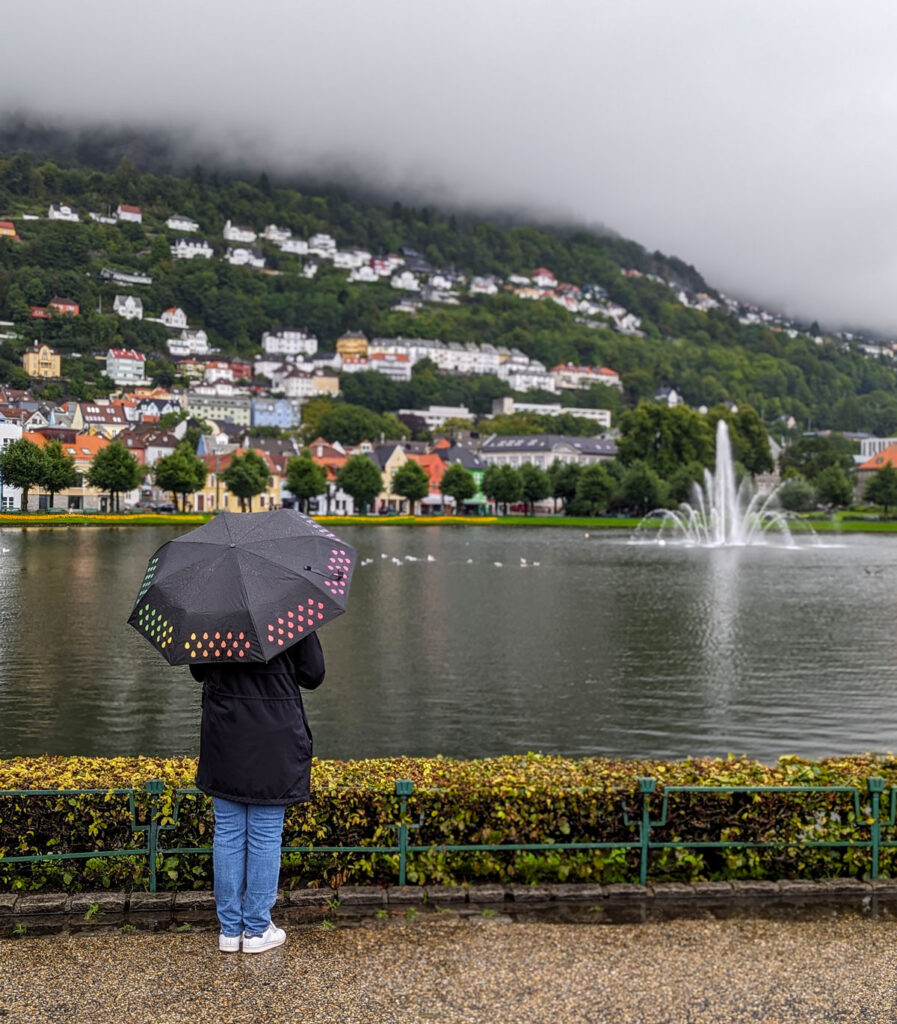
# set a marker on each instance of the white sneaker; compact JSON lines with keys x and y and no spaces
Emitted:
{"x":229,"y":943}
{"x":273,"y":936}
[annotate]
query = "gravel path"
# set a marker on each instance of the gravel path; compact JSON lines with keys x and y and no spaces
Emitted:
{"x":466,"y":971}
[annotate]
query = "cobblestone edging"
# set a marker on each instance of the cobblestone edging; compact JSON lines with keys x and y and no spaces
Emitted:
{"x":45,"y":912}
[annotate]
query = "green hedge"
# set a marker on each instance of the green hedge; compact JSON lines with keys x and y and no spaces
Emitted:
{"x":513,"y":799}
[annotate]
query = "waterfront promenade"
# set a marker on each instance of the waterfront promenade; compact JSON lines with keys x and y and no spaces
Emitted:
{"x":837,"y":966}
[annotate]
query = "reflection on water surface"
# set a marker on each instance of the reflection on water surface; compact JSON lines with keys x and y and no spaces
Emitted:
{"x":603,"y":648}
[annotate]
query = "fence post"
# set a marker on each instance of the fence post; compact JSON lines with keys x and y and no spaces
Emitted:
{"x":876,"y":786}
{"x":646,"y":787}
{"x":154,"y":789}
{"x":404,"y":789}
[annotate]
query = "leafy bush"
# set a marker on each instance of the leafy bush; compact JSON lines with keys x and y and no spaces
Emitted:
{"x":515,"y":799}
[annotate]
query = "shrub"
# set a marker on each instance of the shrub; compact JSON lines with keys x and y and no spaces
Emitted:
{"x":514,"y":799}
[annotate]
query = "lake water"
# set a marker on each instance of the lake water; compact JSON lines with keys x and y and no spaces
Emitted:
{"x":604,"y":648}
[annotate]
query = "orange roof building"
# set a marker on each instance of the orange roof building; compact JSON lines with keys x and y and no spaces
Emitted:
{"x":886,"y":457}
{"x":82,"y":449}
{"x":432,"y":465}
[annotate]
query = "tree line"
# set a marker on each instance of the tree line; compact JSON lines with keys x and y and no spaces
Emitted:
{"x":661,"y":453}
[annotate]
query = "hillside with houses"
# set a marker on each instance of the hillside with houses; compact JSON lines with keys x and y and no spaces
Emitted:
{"x":129,"y":301}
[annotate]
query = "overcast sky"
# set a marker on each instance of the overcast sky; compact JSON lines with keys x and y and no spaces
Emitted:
{"x":756,"y":140}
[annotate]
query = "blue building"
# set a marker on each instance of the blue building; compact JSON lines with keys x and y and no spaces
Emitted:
{"x":273,"y":412}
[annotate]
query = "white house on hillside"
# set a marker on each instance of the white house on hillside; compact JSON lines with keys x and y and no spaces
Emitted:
{"x":524,"y":374}
{"x":297,"y":383}
{"x":130,"y":213}
{"x":322,"y":245}
{"x":668,"y":396}
{"x":178,"y":223}
{"x":128,"y":306}
{"x":544,"y":278}
{"x":390,"y":364}
{"x":276,"y":234}
{"x":406,"y":281}
{"x":59,"y":211}
{"x":126,"y":367}
{"x":190,"y":343}
{"x":240,"y":256}
{"x":190,"y":248}
{"x":296,"y":246}
{"x":483,"y":286}
{"x":435,"y":415}
{"x":570,"y":377}
{"x":235,"y":233}
{"x":440,"y":282}
{"x":365,"y":274}
{"x":289,"y":341}
{"x":174,"y":317}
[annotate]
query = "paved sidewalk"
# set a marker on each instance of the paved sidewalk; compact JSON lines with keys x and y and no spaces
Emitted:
{"x":476,"y":970}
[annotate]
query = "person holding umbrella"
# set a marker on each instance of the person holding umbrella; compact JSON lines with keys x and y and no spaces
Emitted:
{"x":240,"y":601}
{"x":254,"y":760}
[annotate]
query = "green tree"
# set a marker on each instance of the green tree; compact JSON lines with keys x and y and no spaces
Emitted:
{"x":246,"y":476}
{"x":664,"y":438}
{"x":59,"y":470}
{"x":305,"y":479}
{"x":681,"y":482}
{"x":182,"y":473}
{"x":116,"y":470}
{"x":595,"y":487}
{"x":503,"y":485}
{"x":881,"y":488}
{"x":458,"y":482}
{"x":360,"y":478}
{"x":564,"y":477}
{"x":348,"y":424}
{"x":536,"y":484}
{"x":809,"y":456}
{"x":412,"y":482}
{"x":833,"y":487}
{"x":641,"y":489}
{"x":797,"y":494}
{"x":21,"y":465}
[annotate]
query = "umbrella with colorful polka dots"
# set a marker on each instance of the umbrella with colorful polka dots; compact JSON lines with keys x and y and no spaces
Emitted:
{"x":242,"y":587}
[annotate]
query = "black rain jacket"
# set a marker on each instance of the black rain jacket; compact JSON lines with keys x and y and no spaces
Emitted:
{"x":255,"y":743}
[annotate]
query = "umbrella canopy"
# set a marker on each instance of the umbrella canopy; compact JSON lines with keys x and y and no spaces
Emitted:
{"x":242,"y":587}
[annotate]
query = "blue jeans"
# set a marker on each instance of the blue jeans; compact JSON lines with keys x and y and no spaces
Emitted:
{"x":246,"y":862}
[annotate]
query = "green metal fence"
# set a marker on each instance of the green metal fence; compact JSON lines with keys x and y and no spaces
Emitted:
{"x":147,"y":817}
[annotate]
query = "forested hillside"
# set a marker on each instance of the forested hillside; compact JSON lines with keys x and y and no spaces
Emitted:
{"x":708,"y":357}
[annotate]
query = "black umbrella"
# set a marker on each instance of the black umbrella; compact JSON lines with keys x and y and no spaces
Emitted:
{"x":243,"y":587}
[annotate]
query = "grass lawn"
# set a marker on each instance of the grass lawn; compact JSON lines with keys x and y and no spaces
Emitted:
{"x":841,"y":522}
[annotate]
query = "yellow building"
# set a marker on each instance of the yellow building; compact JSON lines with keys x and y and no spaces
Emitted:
{"x":388,"y":458}
{"x":216,"y":495}
{"x":352,"y":343}
{"x":41,"y":361}
{"x":325,"y":382}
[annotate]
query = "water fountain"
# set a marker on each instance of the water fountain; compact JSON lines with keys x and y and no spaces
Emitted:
{"x":721,"y":513}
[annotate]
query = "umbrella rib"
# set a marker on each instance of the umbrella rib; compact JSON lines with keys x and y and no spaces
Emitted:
{"x":279,"y":565}
{"x":251,"y":611}
{"x":246,"y":602}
